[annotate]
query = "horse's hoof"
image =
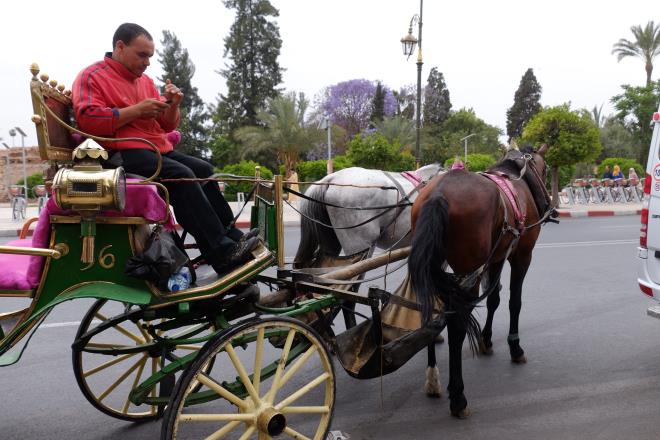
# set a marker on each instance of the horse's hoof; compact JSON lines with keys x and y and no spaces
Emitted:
{"x":462,"y":414}
{"x":485,"y":347}
{"x":485,"y":350}
{"x":432,"y":385}
{"x":522,"y":359}
{"x":439,"y":339}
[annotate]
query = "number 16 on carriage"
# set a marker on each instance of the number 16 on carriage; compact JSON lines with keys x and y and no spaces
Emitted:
{"x":648,"y":252}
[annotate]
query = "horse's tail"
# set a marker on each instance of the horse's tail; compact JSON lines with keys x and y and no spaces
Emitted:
{"x":314,"y":237}
{"x":428,"y":279}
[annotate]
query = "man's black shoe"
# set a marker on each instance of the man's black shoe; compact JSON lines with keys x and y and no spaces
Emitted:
{"x":243,"y":250}
{"x":254,"y":232}
{"x":241,"y":254}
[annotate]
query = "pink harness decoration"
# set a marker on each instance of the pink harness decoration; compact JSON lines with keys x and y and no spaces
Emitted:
{"x":458,"y":165}
{"x":412,"y":177}
{"x":505,"y":185}
{"x":23,"y":272}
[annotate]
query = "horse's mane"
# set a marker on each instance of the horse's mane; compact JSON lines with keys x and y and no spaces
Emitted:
{"x":512,"y":164}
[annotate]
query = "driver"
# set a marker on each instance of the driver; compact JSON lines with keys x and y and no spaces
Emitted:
{"x":114,"y":98}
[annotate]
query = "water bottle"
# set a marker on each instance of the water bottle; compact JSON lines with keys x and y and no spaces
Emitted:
{"x":180,"y":280}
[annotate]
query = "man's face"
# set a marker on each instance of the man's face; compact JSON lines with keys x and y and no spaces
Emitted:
{"x":135,"y":56}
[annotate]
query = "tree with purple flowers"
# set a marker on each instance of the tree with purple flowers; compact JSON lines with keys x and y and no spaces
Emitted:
{"x":350,"y":104}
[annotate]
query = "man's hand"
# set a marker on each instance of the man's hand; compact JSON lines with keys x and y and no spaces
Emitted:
{"x":151,"y":108}
{"x":173,"y":93}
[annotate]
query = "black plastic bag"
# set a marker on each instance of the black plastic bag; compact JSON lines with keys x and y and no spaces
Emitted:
{"x":162,"y":257}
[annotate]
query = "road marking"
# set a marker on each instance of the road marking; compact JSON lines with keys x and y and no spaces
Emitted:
{"x":586,"y":243}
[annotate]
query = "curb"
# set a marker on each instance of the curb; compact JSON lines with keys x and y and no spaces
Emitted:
{"x":567,"y":214}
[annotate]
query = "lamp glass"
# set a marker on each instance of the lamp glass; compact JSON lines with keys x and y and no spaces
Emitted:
{"x":408,"y":44}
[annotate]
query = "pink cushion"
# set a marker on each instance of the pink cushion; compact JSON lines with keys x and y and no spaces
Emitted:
{"x":15,"y":268}
{"x":23,"y":272}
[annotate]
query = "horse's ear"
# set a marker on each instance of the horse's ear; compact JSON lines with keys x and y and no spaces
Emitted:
{"x":543,"y":149}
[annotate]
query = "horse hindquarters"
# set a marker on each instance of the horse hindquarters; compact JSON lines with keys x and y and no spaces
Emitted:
{"x":315,"y":238}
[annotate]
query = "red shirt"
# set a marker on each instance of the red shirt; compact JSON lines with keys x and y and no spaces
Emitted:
{"x":101,"y":90}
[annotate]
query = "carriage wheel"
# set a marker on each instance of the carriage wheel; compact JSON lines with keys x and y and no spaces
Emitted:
{"x":106,"y":380}
{"x":290,"y":392}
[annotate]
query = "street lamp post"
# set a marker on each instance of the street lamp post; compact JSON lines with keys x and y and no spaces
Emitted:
{"x":23,"y":135}
{"x":466,"y":139}
{"x":408,"y":42}
{"x":326,"y":123}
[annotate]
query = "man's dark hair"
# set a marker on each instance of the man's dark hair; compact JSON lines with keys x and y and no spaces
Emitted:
{"x":127,"y":32}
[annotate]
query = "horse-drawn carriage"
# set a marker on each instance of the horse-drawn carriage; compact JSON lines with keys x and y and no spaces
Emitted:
{"x":245,"y":354}
{"x":241,"y":355}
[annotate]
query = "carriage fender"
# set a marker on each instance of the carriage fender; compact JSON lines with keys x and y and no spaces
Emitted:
{"x":97,"y":289}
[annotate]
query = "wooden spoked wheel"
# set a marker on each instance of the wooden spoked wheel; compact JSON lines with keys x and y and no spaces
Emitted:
{"x":106,"y":379}
{"x":270,"y":378}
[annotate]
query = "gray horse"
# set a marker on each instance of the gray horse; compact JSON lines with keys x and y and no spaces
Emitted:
{"x":357,"y":187}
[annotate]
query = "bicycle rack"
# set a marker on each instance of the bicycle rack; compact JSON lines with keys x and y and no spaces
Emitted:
{"x":41,"y":194}
{"x":579,"y":189}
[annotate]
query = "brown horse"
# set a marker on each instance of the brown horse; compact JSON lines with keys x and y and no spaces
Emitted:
{"x":467,"y":221}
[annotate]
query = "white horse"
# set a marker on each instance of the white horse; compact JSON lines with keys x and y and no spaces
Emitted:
{"x":363,"y":188}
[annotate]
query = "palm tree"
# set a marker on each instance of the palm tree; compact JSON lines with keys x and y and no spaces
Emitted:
{"x":597,"y":115}
{"x":646,"y":46}
{"x":398,"y":129}
{"x":283,"y":130}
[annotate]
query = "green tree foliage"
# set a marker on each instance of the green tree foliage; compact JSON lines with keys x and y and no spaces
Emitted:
{"x":645,"y":46}
{"x":406,"y":100}
{"x":243,"y":168}
{"x":340,"y":162}
{"x":224,"y":151}
{"x":253,"y":72}
{"x":444,"y":141}
{"x":597,"y":115}
{"x":312,"y":170}
{"x":375,"y":152}
{"x":572,"y":137}
{"x":475,"y":162}
{"x":526,"y":103}
{"x":32,"y":181}
{"x":282,"y":128}
{"x":378,"y":104}
{"x":617,"y":140}
{"x":398,"y":129}
{"x":178,"y":68}
{"x":624,"y":163}
{"x":437,"y":104}
{"x":635,"y":108}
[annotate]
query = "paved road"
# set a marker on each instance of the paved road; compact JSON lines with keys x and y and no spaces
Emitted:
{"x":593,"y":370}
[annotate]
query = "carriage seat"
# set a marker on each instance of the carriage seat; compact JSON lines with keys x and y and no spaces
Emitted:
{"x":23,"y":272}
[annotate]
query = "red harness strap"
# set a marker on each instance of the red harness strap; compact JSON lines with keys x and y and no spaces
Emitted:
{"x":505,"y":185}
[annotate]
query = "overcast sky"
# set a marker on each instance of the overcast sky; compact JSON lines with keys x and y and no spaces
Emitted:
{"x":483,"y":47}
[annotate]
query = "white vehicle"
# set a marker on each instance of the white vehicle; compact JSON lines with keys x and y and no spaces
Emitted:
{"x":648,"y":251}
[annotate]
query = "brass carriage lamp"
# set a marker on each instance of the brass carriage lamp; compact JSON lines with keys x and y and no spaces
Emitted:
{"x":89,"y":189}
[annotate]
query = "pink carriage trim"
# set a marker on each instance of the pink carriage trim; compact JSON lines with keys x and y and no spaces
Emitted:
{"x":412,"y":177}
{"x":509,"y":191}
{"x":23,"y":272}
